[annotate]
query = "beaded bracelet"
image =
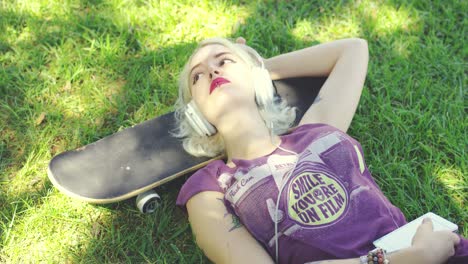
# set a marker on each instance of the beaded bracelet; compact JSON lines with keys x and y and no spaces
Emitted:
{"x":376,"y":256}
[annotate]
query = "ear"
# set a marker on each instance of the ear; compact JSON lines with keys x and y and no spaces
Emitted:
{"x":241,"y":40}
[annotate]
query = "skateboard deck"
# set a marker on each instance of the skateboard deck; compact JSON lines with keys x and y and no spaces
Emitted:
{"x":140,"y":158}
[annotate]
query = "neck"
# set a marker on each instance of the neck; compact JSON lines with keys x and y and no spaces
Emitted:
{"x":246,"y":137}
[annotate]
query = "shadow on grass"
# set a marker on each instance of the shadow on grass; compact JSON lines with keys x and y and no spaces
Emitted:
{"x":62,"y":130}
{"x":21,"y":133}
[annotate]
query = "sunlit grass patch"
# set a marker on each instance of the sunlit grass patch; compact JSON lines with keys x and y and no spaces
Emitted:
{"x":325,"y":31}
{"x":71,"y":224}
{"x":385,"y":18}
{"x":456,"y":181}
{"x":162,"y":23}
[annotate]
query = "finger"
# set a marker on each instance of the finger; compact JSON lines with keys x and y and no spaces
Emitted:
{"x":426,"y":226}
{"x":241,"y":40}
{"x":456,"y":239}
{"x":427,"y":223}
{"x":451,"y":252}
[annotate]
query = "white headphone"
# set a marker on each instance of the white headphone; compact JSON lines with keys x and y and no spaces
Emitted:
{"x":198,"y":121}
{"x":264,"y":93}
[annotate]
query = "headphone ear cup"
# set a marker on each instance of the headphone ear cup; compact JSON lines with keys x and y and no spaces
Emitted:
{"x":198,"y":121}
{"x":263,"y":85}
{"x":189,"y":114}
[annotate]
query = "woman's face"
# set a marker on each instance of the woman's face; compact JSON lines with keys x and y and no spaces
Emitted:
{"x":220,"y":81}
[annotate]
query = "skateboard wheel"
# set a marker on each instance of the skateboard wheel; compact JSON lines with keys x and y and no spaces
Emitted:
{"x":148,"y":201}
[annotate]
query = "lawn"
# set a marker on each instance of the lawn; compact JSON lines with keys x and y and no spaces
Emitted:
{"x":74,"y":71}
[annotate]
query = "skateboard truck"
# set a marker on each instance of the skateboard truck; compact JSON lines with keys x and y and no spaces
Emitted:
{"x":148,"y":201}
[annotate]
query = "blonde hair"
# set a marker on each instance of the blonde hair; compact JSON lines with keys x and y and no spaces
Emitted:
{"x":276,"y":114}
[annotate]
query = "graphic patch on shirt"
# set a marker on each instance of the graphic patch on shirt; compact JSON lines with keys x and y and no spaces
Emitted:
{"x":245,"y":182}
{"x":316,"y":198}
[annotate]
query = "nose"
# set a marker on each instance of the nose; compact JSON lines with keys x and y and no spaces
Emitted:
{"x":213,"y":73}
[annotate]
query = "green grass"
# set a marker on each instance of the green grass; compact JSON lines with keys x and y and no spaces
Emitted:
{"x":72,"y":72}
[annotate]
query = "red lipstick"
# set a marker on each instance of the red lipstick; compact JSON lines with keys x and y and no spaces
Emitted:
{"x":217,"y":82}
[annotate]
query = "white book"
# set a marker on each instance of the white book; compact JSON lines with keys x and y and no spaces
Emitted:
{"x":402,"y":237}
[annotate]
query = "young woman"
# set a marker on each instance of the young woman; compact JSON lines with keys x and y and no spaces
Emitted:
{"x":299,"y":197}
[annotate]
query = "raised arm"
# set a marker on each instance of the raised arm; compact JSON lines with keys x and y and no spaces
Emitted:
{"x":344,"y":62}
{"x":219,"y":234}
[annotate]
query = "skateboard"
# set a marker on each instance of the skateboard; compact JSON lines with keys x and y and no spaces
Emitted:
{"x":132,"y":162}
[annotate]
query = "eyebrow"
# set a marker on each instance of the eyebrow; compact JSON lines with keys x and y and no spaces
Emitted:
{"x":215,"y":56}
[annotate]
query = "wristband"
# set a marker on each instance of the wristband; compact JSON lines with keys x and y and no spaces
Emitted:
{"x":376,"y":256}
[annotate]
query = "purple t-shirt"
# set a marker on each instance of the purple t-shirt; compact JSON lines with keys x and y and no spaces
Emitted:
{"x":330,"y":206}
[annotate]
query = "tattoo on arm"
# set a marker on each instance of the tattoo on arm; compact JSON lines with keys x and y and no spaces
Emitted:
{"x":236,"y":223}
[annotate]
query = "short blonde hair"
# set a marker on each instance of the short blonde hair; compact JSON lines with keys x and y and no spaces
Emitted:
{"x":277,"y":115}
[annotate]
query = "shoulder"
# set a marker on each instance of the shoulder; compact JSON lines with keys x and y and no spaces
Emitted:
{"x":205,"y":179}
